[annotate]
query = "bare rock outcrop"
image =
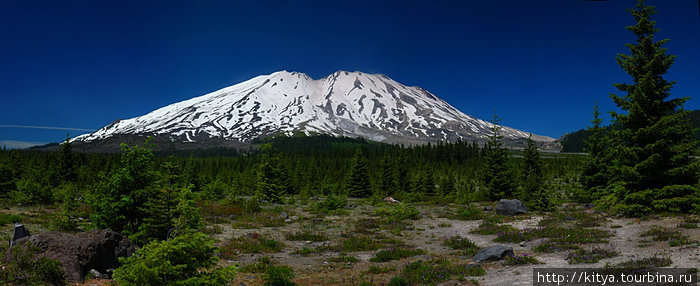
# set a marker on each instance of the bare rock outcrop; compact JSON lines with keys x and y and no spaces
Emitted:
{"x":79,"y":252}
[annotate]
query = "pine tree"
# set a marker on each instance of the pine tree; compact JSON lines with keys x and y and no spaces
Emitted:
{"x":498,"y":178}
{"x":67,"y":165}
{"x":388,"y":184}
{"x":357,"y":179}
{"x":272,"y":180}
{"x":534,"y":193}
{"x":655,"y":170}
{"x":596,"y":174}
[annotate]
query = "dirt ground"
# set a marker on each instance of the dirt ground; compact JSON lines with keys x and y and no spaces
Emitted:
{"x":430,"y":230}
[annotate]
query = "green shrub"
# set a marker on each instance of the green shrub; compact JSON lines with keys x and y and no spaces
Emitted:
{"x":343,"y":257}
{"x":9,"y":218}
{"x":395,"y":254}
{"x":465,"y":245}
{"x":374,"y":269}
{"x":331,"y":203}
{"x":24,"y":269}
{"x":470,"y":213}
{"x":521,"y":260}
{"x":431,"y":272}
{"x":590,"y":255}
{"x":263,"y":263}
{"x":398,"y":213}
{"x":398,"y":281}
{"x":251,"y":243}
{"x":359,"y":243}
{"x":674,"y":237}
{"x":279,"y":276}
{"x":306,"y":236}
{"x":188,"y":259}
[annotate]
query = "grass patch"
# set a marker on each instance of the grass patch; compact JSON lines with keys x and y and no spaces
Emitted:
{"x":643,"y":263}
{"x":395,"y":254}
{"x":398,"y":213}
{"x":466,"y":246}
{"x":469,"y":213}
{"x":344,"y":258}
{"x":366,"y":225}
{"x":434,"y":271}
{"x":306,"y":236}
{"x":592,"y":255}
{"x":488,"y":227}
{"x":332,"y":204}
{"x":258,"y":220}
{"x":9,"y":218}
{"x":259,"y":267}
{"x":674,"y":237}
{"x":374,"y":269}
{"x":523,"y":259}
{"x":359,"y":243}
{"x":305,"y":251}
{"x":251,"y":243}
{"x":554,"y":245}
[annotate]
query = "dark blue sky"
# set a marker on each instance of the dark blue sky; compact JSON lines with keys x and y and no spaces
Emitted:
{"x":540,"y":64}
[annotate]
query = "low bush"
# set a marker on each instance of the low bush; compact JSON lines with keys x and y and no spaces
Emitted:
{"x":251,"y":243}
{"x":279,"y":275}
{"x":523,"y":259}
{"x":434,"y":271}
{"x":592,"y":255}
{"x":466,"y":246}
{"x":395,"y":254}
{"x":189,"y":259}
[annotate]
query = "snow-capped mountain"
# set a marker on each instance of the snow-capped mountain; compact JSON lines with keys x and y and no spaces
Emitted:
{"x":342,"y":104}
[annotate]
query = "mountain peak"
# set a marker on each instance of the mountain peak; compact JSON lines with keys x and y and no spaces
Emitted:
{"x":342,"y":104}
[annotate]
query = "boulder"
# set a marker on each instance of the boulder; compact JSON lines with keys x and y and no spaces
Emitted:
{"x":494,"y":252}
{"x":510,"y":207}
{"x":79,"y":253}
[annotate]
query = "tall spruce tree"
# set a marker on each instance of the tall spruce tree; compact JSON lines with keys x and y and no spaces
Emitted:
{"x":388,"y":183}
{"x":357,"y":179}
{"x":272,"y":183}
{"x":67,"y":165}
{"x":654,"y":170}
{"x":534,"y":193}
{"x":596,"y":174}
{"x":498,"y":177}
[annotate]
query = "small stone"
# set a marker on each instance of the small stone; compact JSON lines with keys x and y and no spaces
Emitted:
{"x":522,"y":244}
{"x":308,"y":242}
{"x":288,"y":220}
{"x":94,"y":273}
{"x":284,"y":215}
{"x":294,"y":218}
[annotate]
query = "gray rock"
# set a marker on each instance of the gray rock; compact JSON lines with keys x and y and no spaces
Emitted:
{"x":494,"y":252}
{"x":294,"y":218}
{"x":20,"y":232}
{"x":487,"y":208}
{"x":284,"y":215}
{"x":510,"y":207}
{"x":287,"y":220}
{"x":95,"y":274}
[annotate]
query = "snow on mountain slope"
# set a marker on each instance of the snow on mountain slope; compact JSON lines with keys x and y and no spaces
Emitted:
{"x":342,"y":104}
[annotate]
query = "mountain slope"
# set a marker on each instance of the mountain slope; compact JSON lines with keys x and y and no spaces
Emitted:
{"x":342,"y":104}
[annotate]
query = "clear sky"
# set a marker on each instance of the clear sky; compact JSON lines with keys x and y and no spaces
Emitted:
{"x":540,"y":64}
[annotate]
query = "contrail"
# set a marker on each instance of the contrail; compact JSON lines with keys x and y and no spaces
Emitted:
{"x":44,"y":127}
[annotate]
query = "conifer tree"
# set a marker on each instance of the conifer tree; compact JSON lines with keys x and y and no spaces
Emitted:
{"x":67,"y":165}
{"x":654,"y":170}
{"x":534,"y":193}
{"x":498,"y":177}
{"x":272,"y":181}
{"x":357,"y":179}
{"x":388,"y":184}
{"x":596,"y":174}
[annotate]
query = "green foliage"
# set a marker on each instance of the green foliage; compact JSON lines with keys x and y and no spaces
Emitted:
{"x":357,"y":179}
{"x":24,"y":268}
{"x":534,"y":192}
{"x":466,"y":246}
{"x":398,"y":213}
{"x":674,"y":237}
{"x":395,"y":254}
{"x":121,"y":197}
{"x":358,"y":243}
{"x":523,"y":259}
{"x":497,"y":175}
{"x":398,"y":281}
{"x":592,"y":255}
{"x":251,"y":243}
{"x":9,"y":218}
{"x":189,"y":259}
{"x":654,"y":170}
{"x":434,"y":271}
{"x":306,"y":236}
{"x":331,"y":203}
{"x":272,"y":180}
{"x":279,"y":275}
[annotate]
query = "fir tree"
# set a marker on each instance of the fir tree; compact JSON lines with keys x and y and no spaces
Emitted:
{"x":388,"y":184}
{"x":498,"y":177}
{"x":654,"y":170}
{"x":596,"y":174}
{"x":271,"y":178}
{"x":534,"y":193}
{"x":67,"y":165}
{"x":357,"y":180}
